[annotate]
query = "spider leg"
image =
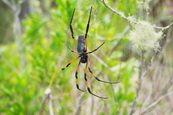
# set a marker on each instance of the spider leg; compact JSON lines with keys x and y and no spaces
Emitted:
{"x":76,"y":75}
{"x":73,"y":51}
{"x":69,"y":63}
{"x":86,"y":83}
{"x":95,"y":49}
{"x":87,"y":28}
{"x":72,"y":34}
{"x":115,"y":82}
{"x":71,"y":28}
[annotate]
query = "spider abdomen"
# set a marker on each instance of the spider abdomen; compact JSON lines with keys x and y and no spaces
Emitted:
{"x":81,"y":46}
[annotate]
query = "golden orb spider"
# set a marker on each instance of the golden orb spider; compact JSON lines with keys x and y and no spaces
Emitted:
{"x":83,"y":55}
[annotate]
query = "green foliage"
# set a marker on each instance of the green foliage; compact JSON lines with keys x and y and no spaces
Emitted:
{"x":44,"y":42}
{"x":5,"y":22}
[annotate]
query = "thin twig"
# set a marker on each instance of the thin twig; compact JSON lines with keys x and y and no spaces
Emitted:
{"x":139,"y":84}
{"x":8,"y":4}
{"x":115,"y":11}
{"x":79,"y":106}
{"x":45,"y":100}
{"x":134,"y":21}
{"x":165,"y":92}
{"x":126,"y":30}
{"x":50,"y":105}
{"x":155,"y":103}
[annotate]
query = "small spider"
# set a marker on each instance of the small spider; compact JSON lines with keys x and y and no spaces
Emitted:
{"x":83,"y":55}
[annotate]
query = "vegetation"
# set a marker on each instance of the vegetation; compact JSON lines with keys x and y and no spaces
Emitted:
{"x":33,"y":49}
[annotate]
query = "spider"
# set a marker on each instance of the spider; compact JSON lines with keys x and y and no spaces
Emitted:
{"x":83,"y":55}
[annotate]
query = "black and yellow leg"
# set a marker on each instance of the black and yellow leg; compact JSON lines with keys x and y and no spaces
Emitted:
{"x":73,"y":51}
{"x":69,"y":63}
{"x":76,"y":75}
{"x":68,"y":46}
{"x":72,"y":33}
{"x":110,"y":82}
{"x":96,"y":48}
{"x":86,"y":83}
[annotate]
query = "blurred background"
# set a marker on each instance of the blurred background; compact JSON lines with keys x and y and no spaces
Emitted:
{"x":33,"y":39}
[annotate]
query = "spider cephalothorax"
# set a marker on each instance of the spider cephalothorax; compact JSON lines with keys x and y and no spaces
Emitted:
{"x":83,"y":55}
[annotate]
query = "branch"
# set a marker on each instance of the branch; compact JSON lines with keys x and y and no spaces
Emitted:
{"x":139,"y":84}
{"x":8,"y":4}
{"x":134,"y":21}
{"x":155,"y":103}
{"x":78,"y":109}
{"x":50,"y":105}
{"x":17,"y":31}
{"x":142,"y":73}
{"x":47,"y":99}
{"x":162,"y":44}
{"x":116,"y":11}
